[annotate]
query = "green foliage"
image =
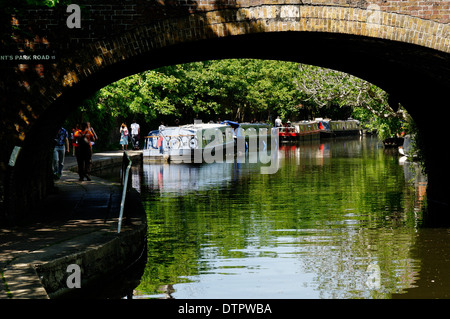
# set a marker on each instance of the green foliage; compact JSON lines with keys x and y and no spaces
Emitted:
{"x":247,"y":89}
{"x":235,"y":89}
{"x":48,"y":3}
{"x":369,"y":103}
{"x":20,"y":4}
{"x":148,"y":94}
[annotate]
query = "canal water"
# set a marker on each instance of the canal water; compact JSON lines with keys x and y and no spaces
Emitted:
{"x":339,"y":219}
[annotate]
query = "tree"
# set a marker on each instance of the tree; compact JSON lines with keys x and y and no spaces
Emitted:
{"x":147,"y":94}
{"x":370,"y":104}
{"x":243,"y":90}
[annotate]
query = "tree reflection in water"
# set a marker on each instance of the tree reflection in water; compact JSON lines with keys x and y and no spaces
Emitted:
{"x":312,"y":230}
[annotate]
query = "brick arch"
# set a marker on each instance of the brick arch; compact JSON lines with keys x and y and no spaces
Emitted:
{"x":223,"y":23}
{"x":398,"y":52}
{"x":236,"y":21}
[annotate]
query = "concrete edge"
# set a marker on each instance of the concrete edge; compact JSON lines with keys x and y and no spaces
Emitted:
{"x":106,"y":161}
{"x":42,"y":274}
{"x":23,"y":282}
{"x":95,"y":263}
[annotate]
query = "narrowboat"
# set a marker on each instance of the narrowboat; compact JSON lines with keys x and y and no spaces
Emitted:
{"x":334,"y":128}
{"x":299,"y":131}
{"x":182,"y":143}
{"x":253,"y":131}
{"x":189,"y":143}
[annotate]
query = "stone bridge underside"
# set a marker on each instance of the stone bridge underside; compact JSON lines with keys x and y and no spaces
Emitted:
{"x":401,"y":46}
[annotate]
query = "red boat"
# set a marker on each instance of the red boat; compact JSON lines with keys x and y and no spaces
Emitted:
{"x":299,"y":131}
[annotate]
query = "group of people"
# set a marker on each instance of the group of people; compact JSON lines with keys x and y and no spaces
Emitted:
{"x":279,"y":123}
{"x":83,"y":138}
{"x":125,"y":135}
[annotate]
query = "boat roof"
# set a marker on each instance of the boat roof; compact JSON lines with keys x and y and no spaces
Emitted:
{"x":304,"y":122}
{"x":203,"y":125}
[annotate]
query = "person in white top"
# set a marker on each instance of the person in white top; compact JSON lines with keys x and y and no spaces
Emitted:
{"x":278,"y":122}
{"x":135,"y":130}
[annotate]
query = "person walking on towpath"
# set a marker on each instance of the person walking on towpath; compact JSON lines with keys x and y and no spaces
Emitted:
{"x":135,"y":130}
{"x":84,"y":158}
{"x":124,"y":136}
{"x":74,"y":140}
{"x":90,"y":128}
{"x":61,"y":147}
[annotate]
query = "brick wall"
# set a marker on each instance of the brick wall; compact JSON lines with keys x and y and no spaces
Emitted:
{"x":116,"y":30}
{"x":120,"y":30}
{"x":106,"y":18}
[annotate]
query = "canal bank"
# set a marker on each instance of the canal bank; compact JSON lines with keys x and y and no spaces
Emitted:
{"x":76,"y":225}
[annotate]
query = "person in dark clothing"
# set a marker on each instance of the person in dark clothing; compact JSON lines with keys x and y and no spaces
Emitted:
{"x":84,"y":138}
{"x":61,"y":147}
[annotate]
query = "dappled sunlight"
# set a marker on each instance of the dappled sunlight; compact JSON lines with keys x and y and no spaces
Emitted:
{"x":70,"y":79}
{"x":98,"y":60}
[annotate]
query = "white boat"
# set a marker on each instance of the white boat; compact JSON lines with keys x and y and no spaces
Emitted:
{"x":187,"y":143}
{"x":407,"y":148}
{"x":250,"y":134}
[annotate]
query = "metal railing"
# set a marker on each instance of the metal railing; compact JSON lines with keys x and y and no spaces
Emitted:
{"x":125,"y":183}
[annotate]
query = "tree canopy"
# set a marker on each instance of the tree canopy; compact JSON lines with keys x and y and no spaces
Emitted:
{"x":243,"y":90}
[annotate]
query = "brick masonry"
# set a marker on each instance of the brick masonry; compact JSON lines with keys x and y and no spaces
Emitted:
{"x":115,"y":31}
{"x":420,"y":18}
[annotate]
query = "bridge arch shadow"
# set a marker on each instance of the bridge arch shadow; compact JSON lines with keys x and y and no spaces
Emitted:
{"x":407,"y":57}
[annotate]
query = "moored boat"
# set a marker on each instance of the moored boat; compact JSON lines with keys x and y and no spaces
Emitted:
{"x":182,"y":142}
{"x":407,"y":148}
{"x":190,"y":143}
{"x":307,"y":130}
{"x":333,"y":128}
{"x":249,"y":131}
{"x":299,"y":131}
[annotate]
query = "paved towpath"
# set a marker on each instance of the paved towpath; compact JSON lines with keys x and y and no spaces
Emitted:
{"x":74,"y":217}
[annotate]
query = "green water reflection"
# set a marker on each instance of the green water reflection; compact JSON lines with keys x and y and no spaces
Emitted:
{"x":318,"y":228}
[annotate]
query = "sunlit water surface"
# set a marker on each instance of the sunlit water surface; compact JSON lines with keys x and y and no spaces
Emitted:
{"x":339,"y":219}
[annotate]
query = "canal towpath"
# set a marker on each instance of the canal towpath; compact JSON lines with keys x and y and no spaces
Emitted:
{"x":77,"y":217}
